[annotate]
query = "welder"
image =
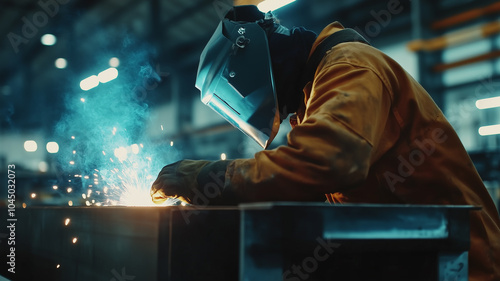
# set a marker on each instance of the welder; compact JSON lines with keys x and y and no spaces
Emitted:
{"x":363,"y":130}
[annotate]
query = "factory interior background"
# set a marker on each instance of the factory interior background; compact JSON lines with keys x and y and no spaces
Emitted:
{"x":97,"y":96}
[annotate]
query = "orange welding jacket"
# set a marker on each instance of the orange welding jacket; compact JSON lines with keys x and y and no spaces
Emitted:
{"x":369,"y":133}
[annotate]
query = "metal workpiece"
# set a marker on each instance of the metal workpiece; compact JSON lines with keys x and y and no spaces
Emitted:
{"x":124,"y":243}
{"x":261,"y":241}
{"x":290,"y":241}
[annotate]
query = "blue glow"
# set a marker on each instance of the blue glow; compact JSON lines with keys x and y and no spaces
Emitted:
{"x":106,"y":135}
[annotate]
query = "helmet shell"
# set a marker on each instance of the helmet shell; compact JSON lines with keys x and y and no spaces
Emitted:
{"x":236,"y":80}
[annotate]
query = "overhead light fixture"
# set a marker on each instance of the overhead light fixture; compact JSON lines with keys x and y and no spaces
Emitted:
{"x":489,"y":130}
{"x":48,"y":39}
{"x":30,"y":146}
{"x":114,"y":62}
{"x":89,"y":83}
{"x":94,"y":80}
{"x":488,"y":103}
{"x":108,"y":75}
{"x":272,"y":5}
{"x":52,"y":147}
{"x":61,"y":63}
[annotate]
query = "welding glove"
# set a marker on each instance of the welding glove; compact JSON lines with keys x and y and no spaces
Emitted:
{"x":197,"y":182}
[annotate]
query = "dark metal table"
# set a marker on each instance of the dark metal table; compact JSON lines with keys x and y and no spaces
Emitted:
{"x":288,"y":241}
{"x":267,"y":241}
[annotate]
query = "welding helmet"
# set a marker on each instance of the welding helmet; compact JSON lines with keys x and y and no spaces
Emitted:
{"x":235,"y":73}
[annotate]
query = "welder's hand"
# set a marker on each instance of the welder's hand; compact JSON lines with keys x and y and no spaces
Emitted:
{"x":177,"y":180}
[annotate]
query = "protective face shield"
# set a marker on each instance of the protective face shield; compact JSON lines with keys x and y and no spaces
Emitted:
{"x":236,"y":80}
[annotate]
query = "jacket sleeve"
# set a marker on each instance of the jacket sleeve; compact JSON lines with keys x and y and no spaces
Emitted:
{"x":331,"y":150}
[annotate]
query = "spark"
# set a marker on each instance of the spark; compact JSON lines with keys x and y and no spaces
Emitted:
{"x":74,"y":151}
{"x":72,"y":162}
{"x":135,"y":148}
{"x":24,"y":205}
{"x":33,"y":195}
{"x":58,"y":265}
{"x":130,"y":185}
{"x":125,"y":182}
{"x":114,"y":131}
{"x":171,"y":143}
{"x":55,"y":187}
{"x":73,"y":137}
{"x":67,"y":221}
{"x":161,"y":127}
{"x":82,"y":99}
{"x":75,"y":239}
{"x":121,"y":153}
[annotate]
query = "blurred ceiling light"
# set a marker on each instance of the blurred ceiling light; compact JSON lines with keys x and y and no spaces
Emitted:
{"x":489,"y":130}
{"x":52,"y":147}
{"x":43,"y":167}
{"x":488,"y":103}
{"x":30,"y":146}
{"x":89,"y":83}
{"x":61,"y":63}
{"x":114,"y":62}
{"x":108,"y":75}
{"x":48,"y":39}
{"x":271,"y":5}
